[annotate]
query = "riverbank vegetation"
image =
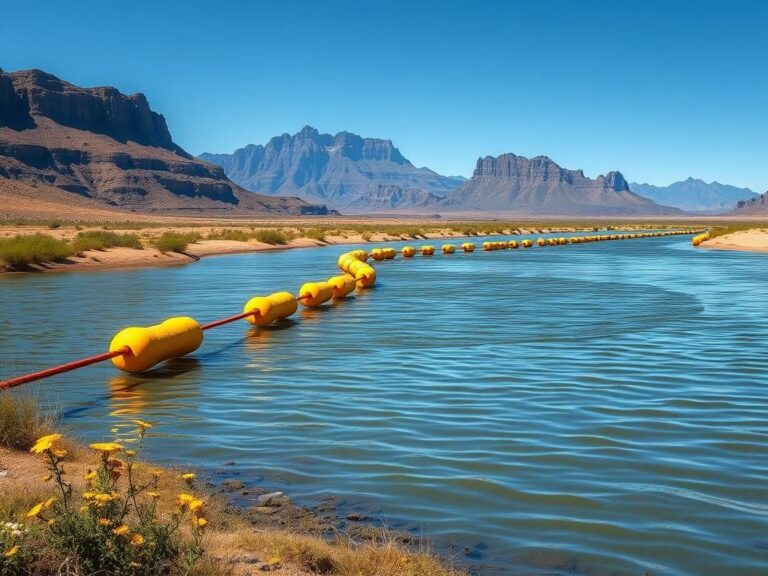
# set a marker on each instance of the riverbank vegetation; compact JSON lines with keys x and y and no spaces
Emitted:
{"x":20,"y":250}
{"x":716,"y":231}
{"x":66,"y":508}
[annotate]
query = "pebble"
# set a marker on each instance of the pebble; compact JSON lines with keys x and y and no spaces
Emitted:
{"x":272,"y":499}
{"x":355,"y":517}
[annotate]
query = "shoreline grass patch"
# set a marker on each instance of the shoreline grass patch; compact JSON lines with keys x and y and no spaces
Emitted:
{"x":175,"y":241}
{"x":21,"y":251}
{"x":101,"y":240}
{"x":268,"y":236}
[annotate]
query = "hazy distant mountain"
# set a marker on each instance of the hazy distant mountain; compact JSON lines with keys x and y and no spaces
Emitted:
{"x":695,"y":195}
{"x":344,"y":171}
{"x":107,"y":149}
{"x":539,"y":186}
{"x":757,"y":206}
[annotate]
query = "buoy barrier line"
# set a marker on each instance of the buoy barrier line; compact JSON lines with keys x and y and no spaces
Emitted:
{"x":137,"y":349}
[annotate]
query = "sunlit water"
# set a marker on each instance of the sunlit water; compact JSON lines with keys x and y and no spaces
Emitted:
{"x":597,"y":408}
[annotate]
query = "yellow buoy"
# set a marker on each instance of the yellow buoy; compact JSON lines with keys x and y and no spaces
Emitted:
{"x":527,"y":243}
{"x":313,"y":294}
{"x":427,"y":250}
{"x":365,"y":276}
{"x":448,"y":248}
{"x":151,"y":345}
{"x":408,"y":251}
{"x":389,"y":253}
{"x":377,"y":254}
{"x":342,"y":285}
{"x":513,"y":244}
{"x":468,"y":247}
{"x":270,"y":308}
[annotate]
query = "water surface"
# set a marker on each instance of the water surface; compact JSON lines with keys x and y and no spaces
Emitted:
{"x":588,"y":409}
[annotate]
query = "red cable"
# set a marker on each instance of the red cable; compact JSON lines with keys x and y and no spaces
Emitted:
{"x":87,"y":361}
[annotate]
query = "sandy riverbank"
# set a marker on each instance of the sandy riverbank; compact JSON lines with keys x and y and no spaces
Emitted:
{"x":746,"y":240}
{"x":112,"y":258}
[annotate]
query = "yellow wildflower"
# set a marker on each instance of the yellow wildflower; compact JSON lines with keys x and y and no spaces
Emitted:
{"x":104,"y":522}
{"x":142,"y":425}
{"x":59,"y":453}
{"x":11,"y":551}
{"x":274,"y":560}
{"x":90,"y":475}
{"x":130,"y":452}
{"x":153,"y":494}
{"x":201,"y":522}
{"x":35,"y":510}
{"x":157,"y":473}
{"x":185,"y":499}
{"x":105,"y":497}
{"x":189,"y":476}
{"x":196,"y":505}
{"x":122,"y":530}
{"x":88,"y":495}
{"x":46,"y":478}
{"x":106,"y":447}
{"x":83,"y":508}
{"x":48,"y":503}
{"x":137,"y":540}
{"x":51,"y":522}
{"x":45,"y":443}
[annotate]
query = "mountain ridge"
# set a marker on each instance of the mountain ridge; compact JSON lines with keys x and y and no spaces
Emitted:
{"x":112,"y":149}
{"x":695,"y":195}
{"x":345,"y":170}
{"x":539,"y":185}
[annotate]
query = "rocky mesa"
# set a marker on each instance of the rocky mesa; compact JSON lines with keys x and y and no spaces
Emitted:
{"x":539,"y":186}
{"x":109,"y":149}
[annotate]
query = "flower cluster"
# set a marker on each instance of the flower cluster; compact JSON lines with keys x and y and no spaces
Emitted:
{"x":115,"y":525}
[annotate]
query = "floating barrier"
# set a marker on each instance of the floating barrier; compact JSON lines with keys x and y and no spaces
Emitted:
{"x":147,"y":347}
{"x":263,"y":310}
{"x":342,"y":285}
{"x":697,"y":240}
{"x":137,"y":349}
{"x":313,"y":294}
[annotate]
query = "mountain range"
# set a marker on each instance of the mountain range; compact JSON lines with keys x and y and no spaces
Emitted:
{"x":108,"y":149}
{"x":695,"y":195}
{"x":71,"y":148}
{"x":345,"y":171}
{"x":355,"y":174}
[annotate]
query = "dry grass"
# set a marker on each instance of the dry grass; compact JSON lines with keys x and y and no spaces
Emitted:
{"x":21,"y":421}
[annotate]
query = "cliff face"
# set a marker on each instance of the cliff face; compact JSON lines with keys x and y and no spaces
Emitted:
{"x":110,"y":147}
{"x":540,"y":186}
{"x":345,"y":171}
{"x":695,"y":195}
{"x":757,"y":206}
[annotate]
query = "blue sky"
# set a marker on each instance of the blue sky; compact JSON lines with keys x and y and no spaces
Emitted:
{"x":660,"y":90}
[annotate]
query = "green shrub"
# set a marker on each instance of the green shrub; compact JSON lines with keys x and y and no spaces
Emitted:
{"x":271,"y":237}
{"x":54,"y":224}
{"x":101,"y":240}
{"x":21,"y":421}
{"x":21,"y":251}
{"x":235,"y":235}
{"x":315,"y":234}
{"x":175,"y":241}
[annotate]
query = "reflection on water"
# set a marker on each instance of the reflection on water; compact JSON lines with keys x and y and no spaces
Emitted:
{"x":593,"y":409}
